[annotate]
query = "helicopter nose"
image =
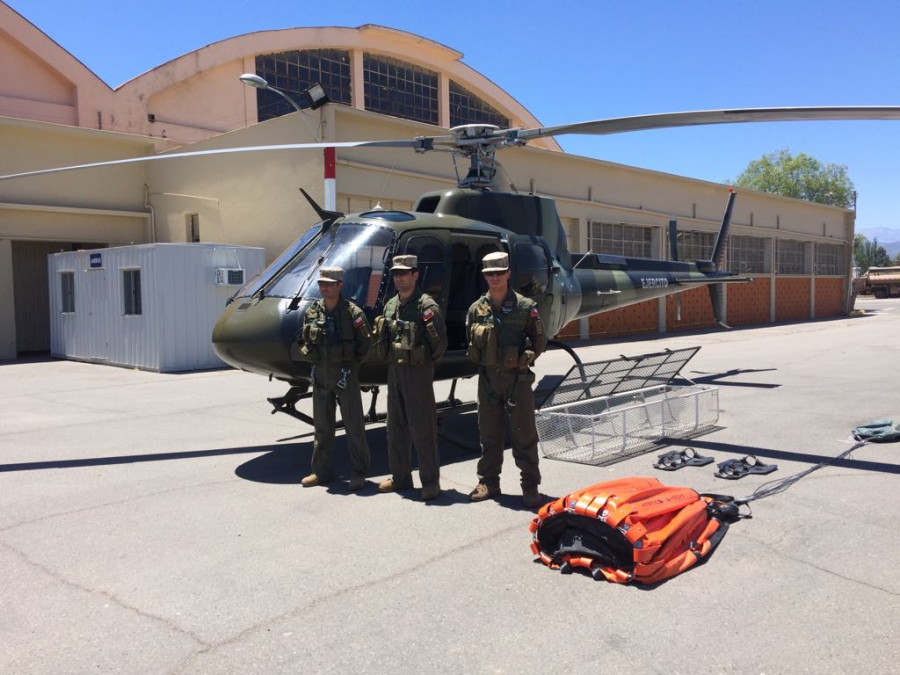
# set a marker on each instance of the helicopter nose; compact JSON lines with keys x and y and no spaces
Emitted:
{"x":257,"y":335}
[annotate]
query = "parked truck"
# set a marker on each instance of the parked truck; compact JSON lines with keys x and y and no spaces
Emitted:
{"x":882,"y":282}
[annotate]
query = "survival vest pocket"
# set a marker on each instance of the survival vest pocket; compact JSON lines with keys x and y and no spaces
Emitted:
{"x":526,"y":359}
{"x":484,"y":339}
{"x":313,"y":334}
{"x":380,"y":339}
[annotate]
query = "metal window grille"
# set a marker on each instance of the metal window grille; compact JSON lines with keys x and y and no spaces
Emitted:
{"x":632,"y":241}
{"x":693,"y":245}
{"x":792,"y":257}
{"x":467,"y":108}
{"x":296,"y":71}
{"x":394,"y":87}
{"x":131,"y":288}
{"x":748,"y":255}
{"x":831,"y":259}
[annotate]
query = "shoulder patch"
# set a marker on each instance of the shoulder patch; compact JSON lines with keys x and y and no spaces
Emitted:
{"x":427,"y":315}
{"x":534,"y":313}
{"x":358,"y":321}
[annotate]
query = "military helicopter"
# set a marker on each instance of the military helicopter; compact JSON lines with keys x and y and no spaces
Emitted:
{"x":450,"y":232}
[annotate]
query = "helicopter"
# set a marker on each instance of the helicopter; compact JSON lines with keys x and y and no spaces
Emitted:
{"x":450,"y":231}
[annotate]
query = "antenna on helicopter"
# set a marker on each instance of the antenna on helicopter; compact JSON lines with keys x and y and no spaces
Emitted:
{"x":328,"y":217}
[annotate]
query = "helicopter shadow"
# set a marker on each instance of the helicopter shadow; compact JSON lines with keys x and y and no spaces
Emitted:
{"x":288,"y":463}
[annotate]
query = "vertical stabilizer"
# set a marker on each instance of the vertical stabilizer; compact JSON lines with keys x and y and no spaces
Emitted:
{"x":717,"y":291}
{"x":718,"y":256}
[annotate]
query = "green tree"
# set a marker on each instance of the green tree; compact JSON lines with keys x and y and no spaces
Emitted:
{"x":869,"y":254}
{"x":800,"y":176}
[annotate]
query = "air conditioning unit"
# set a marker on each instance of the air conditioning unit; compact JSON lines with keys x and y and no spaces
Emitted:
{"x":229,"y":276}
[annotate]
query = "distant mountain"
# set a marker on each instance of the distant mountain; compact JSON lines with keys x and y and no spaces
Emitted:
{"x":882,"y":234}
{"x":892,"y":248}
{"x":887,"y":237}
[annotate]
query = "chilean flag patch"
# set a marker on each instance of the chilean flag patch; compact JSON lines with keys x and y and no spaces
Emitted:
{"x":427,"y":315}
{"x":534,"y":313}
{"x":358,"y":321}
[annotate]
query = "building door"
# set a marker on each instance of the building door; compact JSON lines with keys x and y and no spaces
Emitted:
{"x":31,"y":294}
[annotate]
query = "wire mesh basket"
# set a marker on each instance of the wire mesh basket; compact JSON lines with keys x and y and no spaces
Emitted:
{"x":607,"y":429}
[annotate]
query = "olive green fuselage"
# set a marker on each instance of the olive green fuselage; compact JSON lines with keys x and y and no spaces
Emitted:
{"x":450,"y":232}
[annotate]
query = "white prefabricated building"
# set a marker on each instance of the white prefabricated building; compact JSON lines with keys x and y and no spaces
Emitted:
{"x":151,"y":306}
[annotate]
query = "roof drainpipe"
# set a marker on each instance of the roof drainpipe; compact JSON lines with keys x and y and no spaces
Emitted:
{"x":149,"y":207}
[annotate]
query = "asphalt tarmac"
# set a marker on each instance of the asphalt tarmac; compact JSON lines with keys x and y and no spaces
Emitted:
{"x":153,"y":523}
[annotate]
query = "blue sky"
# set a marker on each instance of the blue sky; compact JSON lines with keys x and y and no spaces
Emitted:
{"x":575,"y":61}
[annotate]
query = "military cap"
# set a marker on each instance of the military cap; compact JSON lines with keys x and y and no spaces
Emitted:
{"x":331,"y":275}
{"x":495,"y":262}
{"x":405,"y":262}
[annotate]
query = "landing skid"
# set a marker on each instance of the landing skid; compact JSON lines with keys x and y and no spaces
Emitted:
{"x":287,"y":404}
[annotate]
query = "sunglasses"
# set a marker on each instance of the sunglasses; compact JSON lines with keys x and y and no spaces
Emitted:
{"x":495,"y":274}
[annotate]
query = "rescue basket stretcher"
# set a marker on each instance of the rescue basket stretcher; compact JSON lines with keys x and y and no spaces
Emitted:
{"x":606,"y":411}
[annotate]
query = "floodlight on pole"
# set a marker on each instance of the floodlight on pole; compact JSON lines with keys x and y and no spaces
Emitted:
{"x":316,"y":98}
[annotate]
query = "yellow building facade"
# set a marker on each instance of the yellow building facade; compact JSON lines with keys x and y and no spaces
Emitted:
{"x":383,"y":84}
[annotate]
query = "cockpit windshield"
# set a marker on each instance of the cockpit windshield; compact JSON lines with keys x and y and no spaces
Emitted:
{"x":360,"y":249}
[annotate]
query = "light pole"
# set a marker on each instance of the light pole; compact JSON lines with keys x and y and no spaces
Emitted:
{"x":316,"y":97}
{"x":257,"y":82}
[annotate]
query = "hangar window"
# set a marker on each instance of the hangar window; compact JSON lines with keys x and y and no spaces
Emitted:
{"x":467,"y":108}
{"x":749,"y":255}
{"x":67,"y":292}
{"x":793,"y":257}
{"x":393,"y":87}
{"x":632,"y":241}
{"x":131,"y":287}
{"x":696,"y":245}
{"x":831,"y":259}
{"x":296,"y":71}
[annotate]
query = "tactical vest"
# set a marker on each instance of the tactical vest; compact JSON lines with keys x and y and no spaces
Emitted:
{"x":401,"y":332}
{"x":631,"y":529}
{"x":328,"y":338}
{"x":500,"y":342}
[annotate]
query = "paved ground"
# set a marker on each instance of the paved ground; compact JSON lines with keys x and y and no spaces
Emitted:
{"x":153,"y":523}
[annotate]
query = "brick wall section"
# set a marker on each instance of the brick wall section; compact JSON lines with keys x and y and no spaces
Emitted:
{"x":748,"y":304}
{"x":632,"y":320}
{"x":829,"y":296}
{"x":696,"y":310}
{"x":792,"y":298}
{"x":571,"y":331}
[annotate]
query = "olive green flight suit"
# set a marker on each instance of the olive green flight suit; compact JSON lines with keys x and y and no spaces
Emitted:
{"x":505,"y":341}
{"x":335,"y":342}
{"x":414,"y":336}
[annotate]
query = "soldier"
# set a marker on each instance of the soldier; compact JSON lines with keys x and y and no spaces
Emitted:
{"x":505,"y":337}
{"x":335,"y":337}
{"x":414,"y":337}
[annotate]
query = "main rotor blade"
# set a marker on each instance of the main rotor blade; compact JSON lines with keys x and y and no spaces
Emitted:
{"x":418,"y":143}
{"x":618,"y":125}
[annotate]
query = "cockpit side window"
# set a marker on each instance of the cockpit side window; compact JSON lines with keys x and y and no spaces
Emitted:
{"x":430,"y":253}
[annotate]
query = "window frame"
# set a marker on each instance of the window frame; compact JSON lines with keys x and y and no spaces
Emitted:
{"x":132,"y":300}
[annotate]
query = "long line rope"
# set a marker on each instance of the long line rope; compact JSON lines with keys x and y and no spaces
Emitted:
{"x":773,"y":487}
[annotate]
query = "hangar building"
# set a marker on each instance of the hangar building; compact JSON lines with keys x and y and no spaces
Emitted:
{"x":383,"y":84}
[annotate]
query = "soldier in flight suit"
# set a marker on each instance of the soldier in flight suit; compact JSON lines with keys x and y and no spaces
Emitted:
{"x":414,"y":337}
{"x":335,"y":337}
{"x":506,"y":335}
